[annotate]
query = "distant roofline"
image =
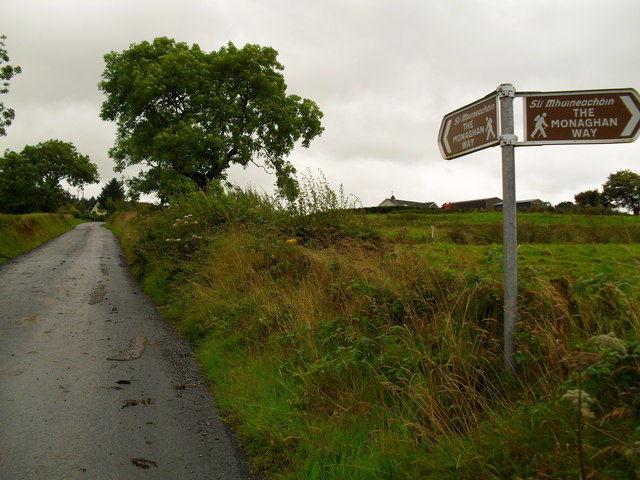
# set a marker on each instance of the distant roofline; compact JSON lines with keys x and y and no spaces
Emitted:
{"x":408,"y":203}
{"x":477,"y":200}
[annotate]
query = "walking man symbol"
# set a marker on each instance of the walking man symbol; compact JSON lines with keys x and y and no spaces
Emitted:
{"x":541,"y":126}
{"x":489,"y":129}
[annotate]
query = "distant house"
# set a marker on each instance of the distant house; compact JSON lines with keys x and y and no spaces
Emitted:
{"x":524,"y":204}
{"x":97,"y":209}
{"x":394,"y":202}
{"x":479,"y":204}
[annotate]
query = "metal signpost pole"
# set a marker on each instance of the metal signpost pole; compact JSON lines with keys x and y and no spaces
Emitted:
{"x":506,"y":93}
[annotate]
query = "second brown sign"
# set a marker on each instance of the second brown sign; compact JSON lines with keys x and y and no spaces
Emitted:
{"x":593,"y":116}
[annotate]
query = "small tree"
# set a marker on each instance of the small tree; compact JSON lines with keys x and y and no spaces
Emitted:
{"x":30,"y":180}
{"x":589,"y":198}
{"x":565,"y":205}
{"x":111,"y":195}
{"x":622,"y":189}
{"x":7,"y":72}
{"x":114,"y":190}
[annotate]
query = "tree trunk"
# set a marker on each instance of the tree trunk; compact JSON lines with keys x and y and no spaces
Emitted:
{"x":200,"y":180}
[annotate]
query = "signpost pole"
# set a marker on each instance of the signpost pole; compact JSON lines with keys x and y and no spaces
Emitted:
{"x":506,"y":93}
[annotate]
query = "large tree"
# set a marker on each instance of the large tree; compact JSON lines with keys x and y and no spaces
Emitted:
{"x":622,"y":189}
{"x":7,"y":72}
{"x":30,"y":180}
{"x":196,"y":113}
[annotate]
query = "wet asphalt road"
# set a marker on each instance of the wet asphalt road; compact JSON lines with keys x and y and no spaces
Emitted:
{"x":94,"y":384}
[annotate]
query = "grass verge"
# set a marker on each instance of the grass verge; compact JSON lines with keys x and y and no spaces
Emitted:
{"x":22,"y":233}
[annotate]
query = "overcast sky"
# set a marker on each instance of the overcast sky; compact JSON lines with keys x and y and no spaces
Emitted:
{"x":384,"y":72}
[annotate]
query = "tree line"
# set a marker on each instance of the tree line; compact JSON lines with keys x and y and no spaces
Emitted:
{"x":185,"y":116}
{"x":621,"y":190}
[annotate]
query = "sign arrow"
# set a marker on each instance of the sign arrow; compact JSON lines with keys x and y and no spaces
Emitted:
{"x":445,"y":137}
{"x":635,"y":115}
{"x":581,"y":116}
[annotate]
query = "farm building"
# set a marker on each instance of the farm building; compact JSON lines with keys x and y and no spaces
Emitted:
{"x":479,"y":204}
{"x":524,"y":204}
{"x":394,"y":202}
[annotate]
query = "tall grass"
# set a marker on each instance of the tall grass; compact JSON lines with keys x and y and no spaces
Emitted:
{"x":338,"y":356}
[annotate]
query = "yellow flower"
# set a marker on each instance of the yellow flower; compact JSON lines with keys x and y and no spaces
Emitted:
{"x":292,"y":241}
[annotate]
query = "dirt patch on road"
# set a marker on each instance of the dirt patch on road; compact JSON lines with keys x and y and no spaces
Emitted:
{"x":135,"y":350}
{"x":98,"y":294}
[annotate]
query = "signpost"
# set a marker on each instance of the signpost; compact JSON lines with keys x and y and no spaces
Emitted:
{"x":590,"y":116}
{"x":470,"y":128}
{"x":576,"y":117}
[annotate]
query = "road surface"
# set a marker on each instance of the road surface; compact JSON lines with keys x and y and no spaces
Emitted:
{"x":94,"y":384}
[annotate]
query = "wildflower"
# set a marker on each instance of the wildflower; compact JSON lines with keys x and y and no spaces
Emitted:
{"x":573,"y":396}
{"x":184,"y":221}
{"x":587,"y":402}
{"x":611,"y":342}
{"x":292,"y":241}
{"x":579,"y":361}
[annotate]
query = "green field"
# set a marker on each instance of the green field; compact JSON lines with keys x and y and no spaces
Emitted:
{"x":347,"y":346}
{"x":486,"y":228}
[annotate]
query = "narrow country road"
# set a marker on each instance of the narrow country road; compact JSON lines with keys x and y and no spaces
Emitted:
{"x":94,"y":384}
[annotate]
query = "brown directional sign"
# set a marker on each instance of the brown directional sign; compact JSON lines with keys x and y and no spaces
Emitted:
{"x":582,"y":116}
{"x":469,"y":128}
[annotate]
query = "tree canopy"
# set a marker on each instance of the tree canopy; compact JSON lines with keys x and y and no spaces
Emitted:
{"x":30,"y":180}
{"x":622,"y":189}
{"x":589,"y":198}
{"x":182,"y":109}
{"x":7,"y":72}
